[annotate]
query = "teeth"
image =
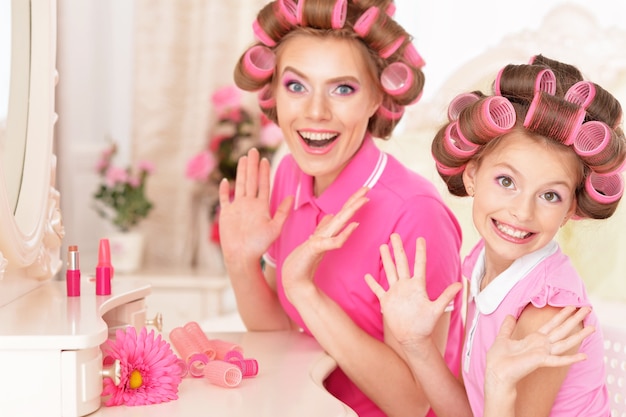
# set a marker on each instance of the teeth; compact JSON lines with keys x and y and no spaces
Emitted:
{"x":317,"y":135}
{"x":518,"y":234}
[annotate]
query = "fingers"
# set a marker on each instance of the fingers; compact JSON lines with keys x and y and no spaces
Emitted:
{"x":564,"y":322}
{"x":402,"y":264}
{"x":252,"y":172}
{"x":264,"y":179}
{"x":419,"y":264}
{"x":224,"y":192}
{"x":447,"y":296}
{"x":507,"y":327}
{"x":378,"y":291}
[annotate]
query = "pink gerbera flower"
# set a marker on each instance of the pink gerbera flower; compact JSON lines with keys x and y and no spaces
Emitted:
{"x":149,"y":370}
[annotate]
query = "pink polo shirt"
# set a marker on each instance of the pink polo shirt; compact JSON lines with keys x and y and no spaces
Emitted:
{"x":544,"y":277}
{"x":400,"y":201}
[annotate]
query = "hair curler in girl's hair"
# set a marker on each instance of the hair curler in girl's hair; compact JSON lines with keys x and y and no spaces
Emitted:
{"x":486,"y":118}
{"x":448,"y":171}
{"x":459,"y":103}
{"x":507,"y":81}
{"x":308,"y":14}
{"x":554,"y":117}
{"x":456,"y":144}
{"x":265,"y":97}
{"x":605,"y":188}
{"x":568,"y":74}
{"x":413,"y":57}
{"x":288,"y":10}
{"x":259,"y":62}
{"x":597,"y":145}
{"x":598,"y":102}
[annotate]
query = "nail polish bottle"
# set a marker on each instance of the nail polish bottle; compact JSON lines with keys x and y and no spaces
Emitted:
{"x":104,"y":269}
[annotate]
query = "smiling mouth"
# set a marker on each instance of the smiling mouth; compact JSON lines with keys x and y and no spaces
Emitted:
{"x":512,"y":232}
{"x":318,"y":139}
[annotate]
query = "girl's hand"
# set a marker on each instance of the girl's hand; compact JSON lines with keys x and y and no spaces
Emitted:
{"x":509,"y":360}
{"x":408,"y":311}
{"x":246,"y":227}
{"x":331,"y":233}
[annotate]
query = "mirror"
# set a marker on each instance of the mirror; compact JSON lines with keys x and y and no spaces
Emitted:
{"x":30,"y":218}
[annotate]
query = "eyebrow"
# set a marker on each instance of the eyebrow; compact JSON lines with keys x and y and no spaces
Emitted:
{"x":550,"y":184}
{"x":334,"y":80}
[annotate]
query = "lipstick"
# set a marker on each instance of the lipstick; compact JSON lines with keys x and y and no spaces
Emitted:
{"x":72,"y":274}
{"x":104,"y":269}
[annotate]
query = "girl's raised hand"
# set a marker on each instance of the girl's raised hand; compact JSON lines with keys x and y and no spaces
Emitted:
{"x":408,"y":311}
{"x":510,"y":360}
{"x":246,"y":227}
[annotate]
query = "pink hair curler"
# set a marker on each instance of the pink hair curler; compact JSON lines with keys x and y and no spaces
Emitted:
{"x":500,"y":113}
{"x":396,"y":78}
{"x":266,"y":98}
{"x":364,"y":23}
{"x":605,"y":188}
{"x":300,"y":12}
{"x":411,"y":55}
{"x":546,"y":81}
{"x":182,"y":365}
{"x":222,"y":347}
{"x":259,"y":62}
{"x":287,"y":9}
{"x":581,"y":93}
{"x":188,"y":351}
{"x":261,"y":35}
{"x":459,"y":103}
{"x":540,"y":100}
{"x":391,"y":9}
{"x":591,"y":142}
{"x":200,"y":339}
{"x":449,"y":171}
{"x":394,"y":113}
{"x":340,"y":12}
{"x":456,"y":144}
{"x":391,"y":49}
{"x":224,"y":374}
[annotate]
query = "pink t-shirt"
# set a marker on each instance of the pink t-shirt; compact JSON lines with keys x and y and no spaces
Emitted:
{"x":400,"y":201}
{"x":544,"y":277}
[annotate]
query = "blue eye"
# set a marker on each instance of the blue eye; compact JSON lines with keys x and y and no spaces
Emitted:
{"x":345,"y":89}
{"x":294,"y":86}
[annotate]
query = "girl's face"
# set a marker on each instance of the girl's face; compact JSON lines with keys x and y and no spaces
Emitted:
{"x":524,"y":190}
{"x":324,"y":99}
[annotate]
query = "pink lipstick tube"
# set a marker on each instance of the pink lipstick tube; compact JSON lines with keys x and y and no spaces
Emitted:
{"x":72,"y":275}
{"x":104,"y":269}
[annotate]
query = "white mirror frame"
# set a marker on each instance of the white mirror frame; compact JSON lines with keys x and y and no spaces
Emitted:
{"x":30,"y":239}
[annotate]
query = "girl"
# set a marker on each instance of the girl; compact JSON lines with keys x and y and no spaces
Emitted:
{"x":335,"y":74}
{"x":544,"y":148}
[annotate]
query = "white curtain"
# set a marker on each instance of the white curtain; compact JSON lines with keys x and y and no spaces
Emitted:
{"x":185,"y":49}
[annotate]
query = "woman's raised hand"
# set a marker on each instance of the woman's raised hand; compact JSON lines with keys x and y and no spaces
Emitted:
{"x":331,"y":233}
{"x":408,"y":311}
{"x":246,"y":227}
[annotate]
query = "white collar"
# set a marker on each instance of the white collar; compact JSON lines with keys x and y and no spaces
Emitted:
{"x":490,"y":298}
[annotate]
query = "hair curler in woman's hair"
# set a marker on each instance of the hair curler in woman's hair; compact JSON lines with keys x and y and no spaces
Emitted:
{"x":605,"y":188}
{"x":259,"y":62}
{"x":597,"y":146}
{"x":288,"y":10}
{"x":413,"y":57}
{"x":364,"y":23}
{"x":599,"y":103}
{"x":459,"y":103}
{"x":456,"y":144}
{"x":261,"y":35}
{"x":554,"y":117}
{"x":508,"y":84}
{"x":392,"y":48}
{"x":391,"y":111}
{"x":396,"y":79}
{"x":486,"y":118}
{"x":309,"y":14}
{"x":266,"y":98}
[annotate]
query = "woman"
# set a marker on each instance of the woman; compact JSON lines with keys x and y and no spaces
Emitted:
{"x":333,"y":75}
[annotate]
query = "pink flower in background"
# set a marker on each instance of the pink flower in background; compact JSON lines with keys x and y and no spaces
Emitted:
{"x":225,"y":98}
{"x":149,"y":370}
{"x":271,"y":135}
{"x":200,"y":166}
{"x":116,"y":175}
{"x":146,"y":166}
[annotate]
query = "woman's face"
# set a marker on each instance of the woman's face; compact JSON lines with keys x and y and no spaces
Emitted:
{"x":324,"y":99}
{"x":524,"y":191}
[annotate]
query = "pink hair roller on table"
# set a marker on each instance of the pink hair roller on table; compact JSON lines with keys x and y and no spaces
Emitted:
{"x":222,"y":347}
{"x":259,"y":61}
{"x":201,"y":340}
{"x":396,"y":78}
{"x":189,"y":351}
{"x":605,"y":188}
{"x":249,"y":367}
{"x":224,"y":374}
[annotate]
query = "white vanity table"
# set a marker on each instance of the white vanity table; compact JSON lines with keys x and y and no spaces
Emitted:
{"x":50,"y":344}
